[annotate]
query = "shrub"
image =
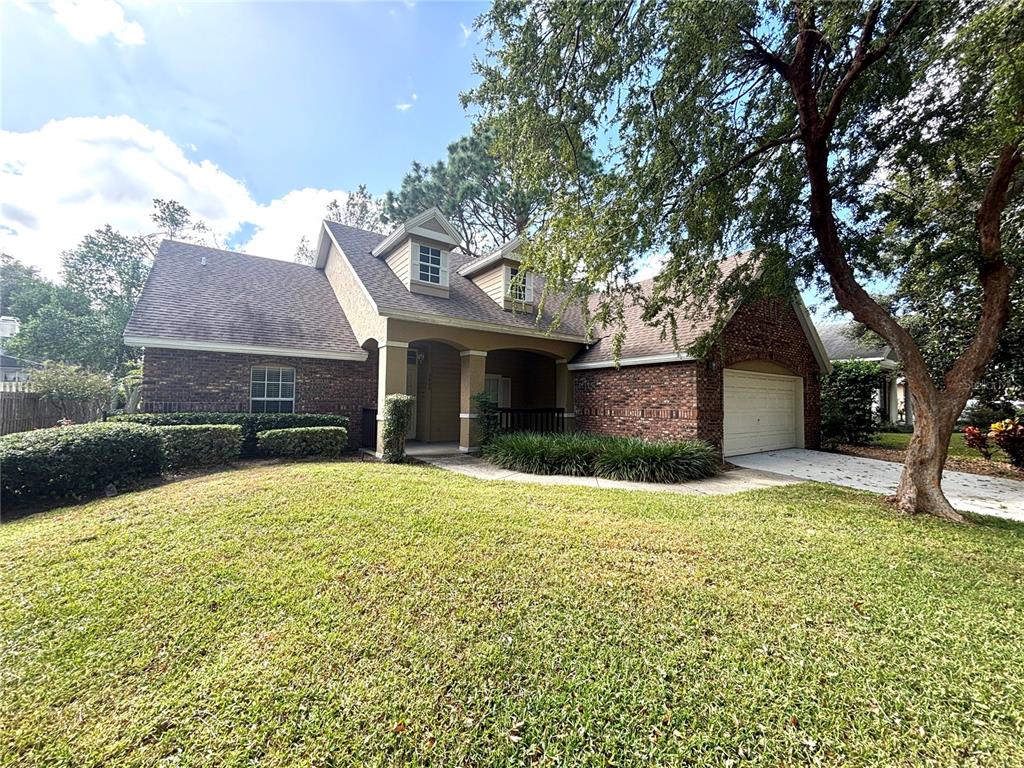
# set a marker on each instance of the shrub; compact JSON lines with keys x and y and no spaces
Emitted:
{"x":846,"y":403}
{"x":615,"y":458}
{"x":984,"y":414}
{"x":397,"y":415}
{"x":251,"y":423}
{"x":656,"y":462}
{"x":978,"y":440}
{"x":67,"y":386}
{"x":300,"y":442}
{"x":487,"y":414}
{"x":200,"y":445}
{"x":1009,"y":435}
{"x":77,"y":461}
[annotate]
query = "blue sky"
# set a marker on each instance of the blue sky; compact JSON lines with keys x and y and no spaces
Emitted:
{"x":254,"y":113}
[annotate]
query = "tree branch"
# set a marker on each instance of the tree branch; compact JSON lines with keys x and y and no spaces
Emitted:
{"x":757,"y":151}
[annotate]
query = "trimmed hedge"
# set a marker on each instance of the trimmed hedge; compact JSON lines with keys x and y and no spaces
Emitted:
{"x":77,"y":460}
{"x":302,"y":442}
{"x":615,"y":458}
{"x":251,"y":423}
{"x":200,"y":445}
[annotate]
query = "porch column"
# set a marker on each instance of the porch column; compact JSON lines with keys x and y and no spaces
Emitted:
{"x":391,"y":373}
{"x":890,"y":393}
{"x":564,"y":397}
{"x":908,"y":404}
{"x":471,"y":382}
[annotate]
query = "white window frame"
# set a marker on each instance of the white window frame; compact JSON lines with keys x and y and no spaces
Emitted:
{"x":253,"y":398}
{"x":526,"y":287}
{"x":441,"y":266}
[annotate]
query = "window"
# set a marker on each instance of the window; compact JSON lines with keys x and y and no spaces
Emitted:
{"x":432,"y":266}
{"x":519,"y":289}
{"x":498,"y":389}
{"x":272,"y":390}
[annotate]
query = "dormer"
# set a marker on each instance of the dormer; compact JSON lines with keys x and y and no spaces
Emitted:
{"x":418,"y":252}
{"x":499,"y":274}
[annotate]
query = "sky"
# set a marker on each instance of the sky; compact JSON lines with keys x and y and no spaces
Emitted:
{"x":253,"y":115}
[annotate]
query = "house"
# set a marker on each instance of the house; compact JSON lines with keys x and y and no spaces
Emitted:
{"x":408,"y":312}
{"x":15,"y":368}
{"x":890,"y":402}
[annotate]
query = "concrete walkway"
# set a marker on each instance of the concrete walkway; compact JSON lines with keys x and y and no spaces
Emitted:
{"x":733,"y":481}
{"x":984,"y":495}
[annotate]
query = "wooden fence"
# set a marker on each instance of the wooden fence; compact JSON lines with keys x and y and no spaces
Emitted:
{"x":21,"y":410}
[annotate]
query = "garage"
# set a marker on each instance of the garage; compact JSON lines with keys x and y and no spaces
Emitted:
{"x":761,"y":412}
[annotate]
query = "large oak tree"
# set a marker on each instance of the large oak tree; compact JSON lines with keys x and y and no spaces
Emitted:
{"x":782,"y":127}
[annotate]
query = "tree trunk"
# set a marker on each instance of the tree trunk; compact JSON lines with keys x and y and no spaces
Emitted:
{"x":920,"y":486}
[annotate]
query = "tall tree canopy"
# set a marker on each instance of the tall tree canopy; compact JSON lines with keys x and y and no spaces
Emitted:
{"x":782,"y":127}
{"x":474,"y":191}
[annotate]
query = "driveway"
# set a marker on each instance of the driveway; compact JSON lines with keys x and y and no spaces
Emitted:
{"x":968,"y":493}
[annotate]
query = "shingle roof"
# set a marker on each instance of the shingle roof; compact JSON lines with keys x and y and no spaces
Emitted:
{"x":840,"y":344}
{"x":466,"y":301}
{"x":242,"y":300}
{"x":644,"y":340}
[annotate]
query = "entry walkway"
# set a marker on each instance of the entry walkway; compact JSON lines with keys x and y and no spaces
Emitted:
{"x":984,"y":495}
{"x":733,"y":481}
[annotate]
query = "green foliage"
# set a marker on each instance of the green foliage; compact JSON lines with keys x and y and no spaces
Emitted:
{"x":474,"y":191}
{"x":846,"y":403}
{"x":396,"y":417}
{"x":701,"y":151}
{"x":303,"y":442}
{"x":66,"y":384}
{"x":77,"y":460}
{"x":251,"y":423}
{"x":984,"y":414}
{"x":616,"y":458}
{"x":488,"y":420}
{"x":1009,"y":436}
{"x":200,"y":445}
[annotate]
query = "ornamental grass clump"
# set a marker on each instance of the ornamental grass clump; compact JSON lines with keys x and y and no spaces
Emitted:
{"x":656,"y":462}
{"x":615,"y":458}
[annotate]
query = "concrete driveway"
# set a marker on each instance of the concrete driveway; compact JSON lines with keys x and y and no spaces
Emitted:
{"x":968,"y":493}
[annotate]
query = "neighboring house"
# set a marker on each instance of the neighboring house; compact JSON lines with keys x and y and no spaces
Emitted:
{"x":408,"y":313}
{"x":890,"y":401}
{"x":15,"y":368}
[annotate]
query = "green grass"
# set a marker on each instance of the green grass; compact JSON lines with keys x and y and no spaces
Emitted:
{"x":899,"y":440}
{"x":361,"y":614}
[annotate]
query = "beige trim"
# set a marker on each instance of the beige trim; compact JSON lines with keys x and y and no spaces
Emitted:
{"x":494,"y":257}
{"x":469,"y":415}
{"x":468,"y":352}
{"x":450,"y":235}
{"x":670,"y":357}
{"x":399,"y":344}
{"x":812,"y":334}
{"x":242,"y":349}
{"x":476,"y":325}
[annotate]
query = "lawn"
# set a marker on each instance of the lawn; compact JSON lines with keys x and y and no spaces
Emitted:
{"x":898,"y":441}
{"x":359,"y":614}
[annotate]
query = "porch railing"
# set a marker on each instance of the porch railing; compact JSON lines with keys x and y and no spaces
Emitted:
{"x":369,"y":429}
{"x":532,"y":419}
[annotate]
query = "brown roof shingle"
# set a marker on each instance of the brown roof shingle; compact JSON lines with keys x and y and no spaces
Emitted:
{"x":239,"y":299}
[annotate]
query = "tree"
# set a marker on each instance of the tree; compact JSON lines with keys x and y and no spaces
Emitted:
{"x":360,"y":209}
{"x":777,"y":127}
{"x":474,"y":191}
{"x":65,"y":385}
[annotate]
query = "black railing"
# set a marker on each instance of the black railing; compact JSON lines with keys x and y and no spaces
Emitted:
{"x":532,"y":419}
{"x":369,"y":433}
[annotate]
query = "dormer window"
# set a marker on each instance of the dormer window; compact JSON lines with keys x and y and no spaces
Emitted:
{"x":432,"y":266}
{"x":518,"y":289}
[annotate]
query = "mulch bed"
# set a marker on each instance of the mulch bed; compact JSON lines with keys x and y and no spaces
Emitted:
{"x":977,"y":466}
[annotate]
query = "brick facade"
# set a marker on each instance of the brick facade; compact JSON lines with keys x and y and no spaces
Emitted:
{"x":684,"y":400}
{"x":187,"y":380}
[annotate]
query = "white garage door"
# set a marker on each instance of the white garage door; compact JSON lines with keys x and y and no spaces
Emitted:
{"x":762,"y":412}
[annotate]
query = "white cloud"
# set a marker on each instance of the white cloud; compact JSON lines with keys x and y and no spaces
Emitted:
{"x":467,"y":32}
{"x":404,"y":107}
{"x":89,"y":20}
{"x":71,"y":176}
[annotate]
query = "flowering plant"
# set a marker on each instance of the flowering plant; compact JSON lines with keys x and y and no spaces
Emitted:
{"x":1009,"y":435}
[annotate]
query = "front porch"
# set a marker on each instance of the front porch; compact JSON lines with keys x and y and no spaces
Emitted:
{"x":445,"y":368}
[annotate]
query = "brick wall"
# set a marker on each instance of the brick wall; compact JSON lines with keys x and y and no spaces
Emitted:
{"x":684,"y":400}
{"x":186,"y":380}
